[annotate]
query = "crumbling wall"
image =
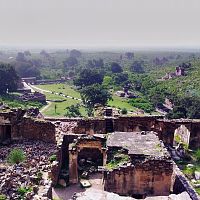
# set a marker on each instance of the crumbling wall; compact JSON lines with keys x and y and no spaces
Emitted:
{"x":164,"y":128}
{"x":149,"y":178}
{"x":35,"y":129}
{"x":88,"y":126}
{"x":136,"y":123}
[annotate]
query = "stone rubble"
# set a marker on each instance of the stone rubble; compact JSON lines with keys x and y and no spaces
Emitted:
{"x":32,"y":173}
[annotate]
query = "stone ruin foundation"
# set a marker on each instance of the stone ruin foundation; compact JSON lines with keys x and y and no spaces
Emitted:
{"x":130,"y":152}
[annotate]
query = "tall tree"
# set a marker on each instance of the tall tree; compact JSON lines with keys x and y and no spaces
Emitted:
{"x":70,"y":62}
{"x":137,"y":67}
{"x":75,"y":53}
{"x":95,"y":94}
{"x":8,"y":78}
{"x":116,"y":68}
{"x":88,"y":77}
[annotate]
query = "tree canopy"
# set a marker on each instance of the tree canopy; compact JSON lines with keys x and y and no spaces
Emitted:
{"x":95,"y":94}
{"x":116,"y":68}
{"x":8,"y":78}
{"x":88,"y":77}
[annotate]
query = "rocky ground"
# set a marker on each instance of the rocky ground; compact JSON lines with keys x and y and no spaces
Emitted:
{"x":31,"y":175}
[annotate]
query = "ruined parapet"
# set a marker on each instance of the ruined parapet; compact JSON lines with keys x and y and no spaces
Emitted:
{"x":36,"y":129}
{"x":147,"y":170}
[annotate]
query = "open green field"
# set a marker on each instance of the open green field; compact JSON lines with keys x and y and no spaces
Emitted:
{"x":65,"y":89}
{"x":120,"y":103}
{"x":60,"y":110}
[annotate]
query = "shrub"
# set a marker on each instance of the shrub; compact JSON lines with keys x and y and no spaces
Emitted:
{"x":124,"y":111}
{"x":197,"y":154}
{"x":23,"y":190}
{"x":52,"y":158}
{"x":16,"y":156}
{"x":2,"y":197}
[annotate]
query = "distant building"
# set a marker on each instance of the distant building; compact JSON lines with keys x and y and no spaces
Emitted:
{"x":179,"y":72}
{"x":29,"y":80}
{"x":36,"y":96}
{"x":126,"y":93}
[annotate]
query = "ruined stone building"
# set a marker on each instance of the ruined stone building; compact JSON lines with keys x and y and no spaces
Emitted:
{"x":131,"y":152}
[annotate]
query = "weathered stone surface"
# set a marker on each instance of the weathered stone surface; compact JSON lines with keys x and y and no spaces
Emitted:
{"x":182,"y":196}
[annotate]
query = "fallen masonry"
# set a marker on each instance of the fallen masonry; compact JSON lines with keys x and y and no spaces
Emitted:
{"x":130,"y":154}
{"x":32,"y":173}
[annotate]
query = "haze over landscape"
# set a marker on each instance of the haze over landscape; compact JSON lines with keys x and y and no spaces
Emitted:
{"x":105,"y":23}
{"x":99,"y":99}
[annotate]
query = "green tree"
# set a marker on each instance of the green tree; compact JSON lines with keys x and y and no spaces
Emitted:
{"x":137,"y":67}
{"x":116,"y":68}
{"x":120,"y":78}
{"x":88,"y":77}
{"x":95,"y":94}
{"x":75,"y":53}
{"x":73,"y":111}
{"x":8,"y":78}
{"x":107,"y":81}
{"x":70,"y":62}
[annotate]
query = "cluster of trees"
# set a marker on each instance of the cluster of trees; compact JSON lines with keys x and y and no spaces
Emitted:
{"x":73,"y":111}
{"x":8,"y":78}
{"x":92,"y":90}
{"x":25,"y":66}
{"x":185,"y":107}
{"x":137,"y":67}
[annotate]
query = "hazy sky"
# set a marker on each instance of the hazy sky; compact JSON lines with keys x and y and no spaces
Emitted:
{"x":100,"y":22}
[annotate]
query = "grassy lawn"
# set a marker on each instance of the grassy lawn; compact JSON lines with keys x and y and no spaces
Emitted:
{"x":61,"y":108}
{"x":65,"y":89}
{"x":119,"y":102}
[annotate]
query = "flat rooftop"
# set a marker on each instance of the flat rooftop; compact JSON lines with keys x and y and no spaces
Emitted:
{"x":138,"y":143}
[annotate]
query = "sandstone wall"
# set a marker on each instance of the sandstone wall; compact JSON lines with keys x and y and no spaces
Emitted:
{"x":34,"y":129}
{"x":150,"y":178}
{"x":164,"y":128}
{"x":136,"y":123}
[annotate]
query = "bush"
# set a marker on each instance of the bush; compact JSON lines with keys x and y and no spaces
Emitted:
{"x":52,"y":158}
{"x":124,"y":111}
{"x":197,"y":155}
{"x":16,"y":156}
{"x":23,"y":190}
{"x":2,"y":197}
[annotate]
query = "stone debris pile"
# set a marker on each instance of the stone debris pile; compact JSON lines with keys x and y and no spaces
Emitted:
{"x":31,"y":175}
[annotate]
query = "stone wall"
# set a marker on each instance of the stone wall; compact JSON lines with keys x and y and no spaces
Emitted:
{"x":149,"y":178}
{"x":136,"y":123}
{"x":35,"y":129}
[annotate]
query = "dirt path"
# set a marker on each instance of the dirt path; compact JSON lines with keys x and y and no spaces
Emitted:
{"x":46,"y":107}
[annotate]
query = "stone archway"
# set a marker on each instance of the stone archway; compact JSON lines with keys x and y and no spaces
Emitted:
{"x":181,"y":135}
{"x":85,"y":148}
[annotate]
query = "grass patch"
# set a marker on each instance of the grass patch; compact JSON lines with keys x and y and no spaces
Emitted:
{"x":14,"y":103}
{"x":61,"y":88}
{"x":120,"y":103}
{"x":3,"y":197}
{"x":117,"y":160}
{"x":16,"y":156}
{"x":23,"y":190}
